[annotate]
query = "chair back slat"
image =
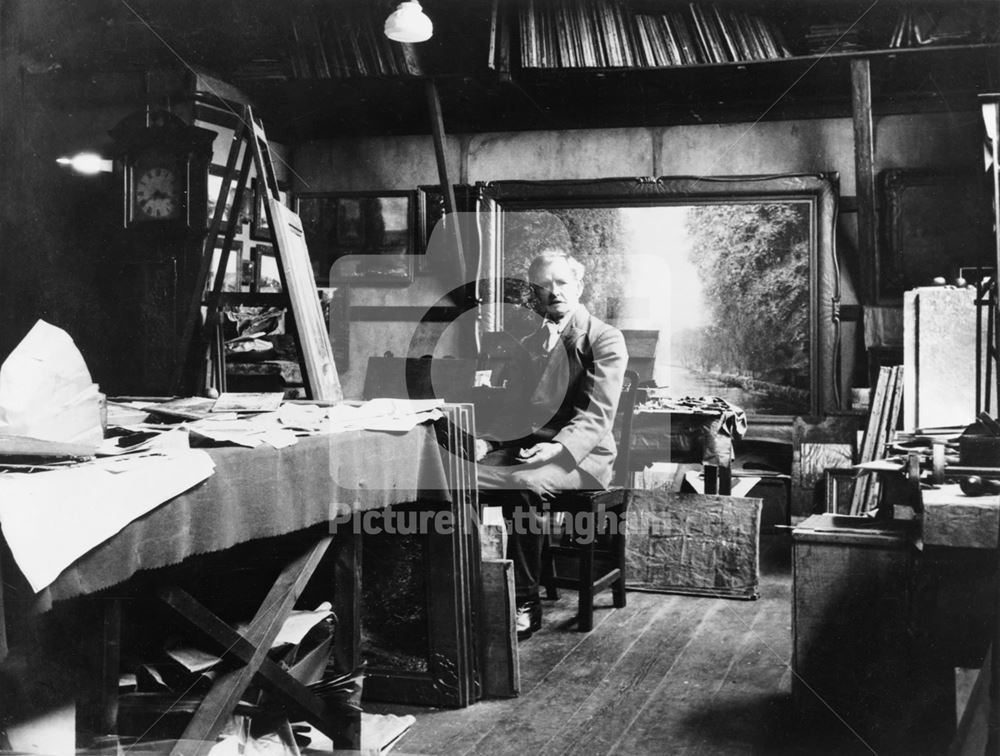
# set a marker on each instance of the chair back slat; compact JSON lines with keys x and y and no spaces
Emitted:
{"x":626,"y":408}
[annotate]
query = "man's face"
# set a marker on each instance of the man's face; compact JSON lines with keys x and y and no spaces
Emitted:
{"x":556,"y":289}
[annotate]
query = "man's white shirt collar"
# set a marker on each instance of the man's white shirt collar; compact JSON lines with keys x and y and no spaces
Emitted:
{"x":561,"y":324}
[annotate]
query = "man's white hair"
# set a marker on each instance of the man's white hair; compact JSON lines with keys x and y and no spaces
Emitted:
{"x":550,"y":255}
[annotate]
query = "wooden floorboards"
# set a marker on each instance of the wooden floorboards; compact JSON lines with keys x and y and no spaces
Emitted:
{"x":664,"y":675}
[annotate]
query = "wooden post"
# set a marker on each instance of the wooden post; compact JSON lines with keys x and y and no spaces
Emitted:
{"x":864,"y":171}
{"x":448,"y":190}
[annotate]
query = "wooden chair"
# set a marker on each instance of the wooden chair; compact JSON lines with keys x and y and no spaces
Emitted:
{"x":601,"y":515}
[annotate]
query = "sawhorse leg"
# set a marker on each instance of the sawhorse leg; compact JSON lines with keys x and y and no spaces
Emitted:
{"x":250,"y":650}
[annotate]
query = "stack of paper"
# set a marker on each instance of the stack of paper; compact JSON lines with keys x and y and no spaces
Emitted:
{"x":46,"y":391}
{"x":398,"y":415}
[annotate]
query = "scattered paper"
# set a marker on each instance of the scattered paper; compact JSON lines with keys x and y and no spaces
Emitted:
{"x":193,"y":659}
{"x":379,"y":732}
{"x":185,"y":408}
{"x":22,"y":446}
{"x":126,"y":413}
{"x":246,"y":431}
{"x":53,"y":518}
{"x":740,"y":486}
{"x":392,"y":415}
{"x":46,"y":391}
{"x":890,"y":464}
{"x":144,"y":441}
{"x":299,"y":623}
{"x":248,"y":402}
{"x":293,"y":630}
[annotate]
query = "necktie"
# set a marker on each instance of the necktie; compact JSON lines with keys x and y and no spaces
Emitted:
{"x":552,"y":335}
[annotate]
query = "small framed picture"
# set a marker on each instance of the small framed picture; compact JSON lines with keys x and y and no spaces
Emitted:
{"x":248,"y":273}
{"x":431,"y":212}
{"x":268,"y":279}
{"x":260,"y":230}
{"x":350,"y":226}
{"x":215,"y":190}
{"x":233,"y":276}
{"x":363,"y":238}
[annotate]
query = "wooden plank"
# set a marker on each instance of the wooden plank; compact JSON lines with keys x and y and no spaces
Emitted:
{"x":971,"y":735}
{"x":751,"y":690}
{"x":887,"y":426}
{"x":863,"y":493}
{"x":870,"y":439}
{"x":3,"y":610}
{"x":297,"y":278}
{"x":662,"y":725}
{"x":555,"y":644}
{"x":609,"y":711}
{"x":493,"y":534}
{"x":568,"y":685}
{"x":218,"y":704}
{"x":293,"y":694}
{"x":864,"y":171}
{"x":447,"y":188}
{"x":186,"y":364}
{"x":110,"y":664}
{"x":347,"y":577}
{"x":745,"y":689}
{"x":501,"y":672}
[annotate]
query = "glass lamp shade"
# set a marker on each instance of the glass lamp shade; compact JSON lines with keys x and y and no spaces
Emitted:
{"x":408,"y":23}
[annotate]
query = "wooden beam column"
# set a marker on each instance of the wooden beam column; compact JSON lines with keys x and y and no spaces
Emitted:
{"x":447,"y":188}
{"x":864,"y":172}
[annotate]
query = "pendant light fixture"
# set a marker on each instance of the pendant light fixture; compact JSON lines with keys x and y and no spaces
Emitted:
{"x":408,"y":23}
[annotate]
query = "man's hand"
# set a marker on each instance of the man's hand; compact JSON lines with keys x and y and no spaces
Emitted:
{"x":541,"y":453}
{"x":483,"y":448}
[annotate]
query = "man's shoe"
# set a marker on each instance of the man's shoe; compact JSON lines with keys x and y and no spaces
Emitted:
{"x":528,"y":618}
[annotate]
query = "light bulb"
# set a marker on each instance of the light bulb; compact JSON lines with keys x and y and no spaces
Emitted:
{"x":87,"y":163}
{"x":408,"y":23}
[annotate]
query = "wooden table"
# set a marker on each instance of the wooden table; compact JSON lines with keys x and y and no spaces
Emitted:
{"x":254,"y":494}
{"x":663,"y":435}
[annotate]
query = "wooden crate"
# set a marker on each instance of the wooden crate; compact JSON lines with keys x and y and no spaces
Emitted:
{"x":855,"y":655}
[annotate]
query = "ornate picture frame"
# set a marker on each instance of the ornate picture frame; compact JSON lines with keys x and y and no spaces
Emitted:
{"x":430,"y":210}
{"x":930,"y":217}
{"x":360,"y":238}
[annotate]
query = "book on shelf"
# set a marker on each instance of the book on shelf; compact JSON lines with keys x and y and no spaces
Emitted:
{"x":614,"y":34}
{"x":346,"y":41}
{"x":943,"y":26}
{"x":726,"y":35}
{"x":709,"y":51}
{"x":677,"y":25}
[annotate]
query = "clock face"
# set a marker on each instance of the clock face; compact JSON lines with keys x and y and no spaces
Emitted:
{"x":158,"y":193}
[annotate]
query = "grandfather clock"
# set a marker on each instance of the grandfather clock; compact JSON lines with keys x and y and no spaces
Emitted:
{"x":163,"y":165}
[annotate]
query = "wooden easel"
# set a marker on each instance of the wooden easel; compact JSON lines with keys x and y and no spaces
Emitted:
{"x":298,"y":286}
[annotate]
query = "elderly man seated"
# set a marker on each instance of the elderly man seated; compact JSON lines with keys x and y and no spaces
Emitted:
{"x":559,"y":437}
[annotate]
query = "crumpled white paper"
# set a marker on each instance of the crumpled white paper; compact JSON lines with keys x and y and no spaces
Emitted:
{"x":46,"y":391}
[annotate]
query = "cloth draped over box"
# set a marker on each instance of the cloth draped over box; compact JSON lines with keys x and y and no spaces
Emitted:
{"x":689,"y":429}
{"x":693,"y":544}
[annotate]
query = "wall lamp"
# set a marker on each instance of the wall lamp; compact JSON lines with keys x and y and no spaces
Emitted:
{"x":87,"y":163}
{"x":408,"y":23}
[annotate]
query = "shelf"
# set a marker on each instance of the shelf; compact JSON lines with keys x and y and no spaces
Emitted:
{"x":631,"y":34}
{"x":903,"y":81}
